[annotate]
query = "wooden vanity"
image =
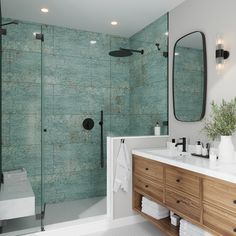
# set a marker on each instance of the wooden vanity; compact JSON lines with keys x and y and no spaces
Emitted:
{"x":205,"y":201}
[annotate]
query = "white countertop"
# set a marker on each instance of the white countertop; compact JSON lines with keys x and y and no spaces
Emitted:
{"x":223,"y":171}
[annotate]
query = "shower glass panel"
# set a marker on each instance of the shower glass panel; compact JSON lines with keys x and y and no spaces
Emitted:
{"x":76,"y":102}
{"x":21,"y":128}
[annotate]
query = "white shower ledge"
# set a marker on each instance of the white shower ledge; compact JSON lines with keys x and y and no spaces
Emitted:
{"x":16,"y":200}
{"x":223,"y":171}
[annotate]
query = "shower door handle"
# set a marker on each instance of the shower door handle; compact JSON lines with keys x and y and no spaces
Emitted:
{"x":101,"y":141}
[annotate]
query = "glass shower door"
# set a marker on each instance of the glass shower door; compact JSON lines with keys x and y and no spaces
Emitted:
{"x":21,"y":128}
{"x":76,"y":80}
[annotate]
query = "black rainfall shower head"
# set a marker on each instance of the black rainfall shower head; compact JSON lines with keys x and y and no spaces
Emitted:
{"x":124,"y":52}
{"x":120,"y":53}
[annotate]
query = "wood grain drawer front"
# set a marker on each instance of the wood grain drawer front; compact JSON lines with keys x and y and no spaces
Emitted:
{"x":220,"y":193}
{"x":152,"y":189}
{"x":148,"y":168}
{"x":219,"y":221}
{"x":183,"y":203}
{"x":183,"y":181}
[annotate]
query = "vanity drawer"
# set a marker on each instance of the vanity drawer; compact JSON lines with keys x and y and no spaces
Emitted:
{"x":220,"y":193}
{"x":152,"y":189}
{"x":219,"y":221}
{"x":183,"y":181}
{"x":183,"y":203}
{"x":149,"y":168}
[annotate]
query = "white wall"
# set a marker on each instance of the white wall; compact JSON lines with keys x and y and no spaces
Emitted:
{"x":212,"y":17}
{"x":120,"y":203}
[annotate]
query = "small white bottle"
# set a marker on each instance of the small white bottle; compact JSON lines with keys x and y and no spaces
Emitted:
{"x":204,"y":151}
{"x":199,"y":148}
{"x":172,"y":145}
{"x":157,"y":130}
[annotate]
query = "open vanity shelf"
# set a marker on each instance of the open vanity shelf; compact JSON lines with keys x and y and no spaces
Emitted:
{"x":163,"y":224}
{"x":207,"y":202}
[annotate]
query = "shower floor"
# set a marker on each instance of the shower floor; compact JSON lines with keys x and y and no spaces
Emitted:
{"x":58,"y":213}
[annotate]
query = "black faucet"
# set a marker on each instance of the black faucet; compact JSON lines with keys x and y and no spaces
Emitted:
{"x":183,"y":143}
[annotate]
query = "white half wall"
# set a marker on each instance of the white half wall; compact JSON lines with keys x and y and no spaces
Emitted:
{"x":120,"y":203}
{"x":212,"y":17}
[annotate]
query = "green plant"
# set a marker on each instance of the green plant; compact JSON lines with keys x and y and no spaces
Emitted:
{"x":222,"y":120}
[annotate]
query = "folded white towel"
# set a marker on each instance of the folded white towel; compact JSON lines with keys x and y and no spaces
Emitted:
{"x":194,"y":232}
{"x":149,"y":208}
{"x":188,"y":227}
{"x":154,"y":212}
{"x":123,"y":169}
{"x":152,"y":204}
{"x":190,"y":232}
{"x":155,"y":215}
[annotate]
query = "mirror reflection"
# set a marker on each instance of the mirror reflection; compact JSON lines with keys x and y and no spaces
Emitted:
{"x":189,"y":77}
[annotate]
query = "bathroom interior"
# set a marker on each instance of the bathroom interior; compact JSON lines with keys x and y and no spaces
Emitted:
{"x":80,"y":81}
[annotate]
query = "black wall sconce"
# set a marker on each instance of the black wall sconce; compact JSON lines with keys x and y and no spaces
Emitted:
{"x":221,"y":54}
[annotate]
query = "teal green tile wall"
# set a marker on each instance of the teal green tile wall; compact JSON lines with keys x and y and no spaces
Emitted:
{"x":79,"y":80}
{"x":148,"y":79}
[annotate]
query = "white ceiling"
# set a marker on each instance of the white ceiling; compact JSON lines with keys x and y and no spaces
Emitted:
{"x":91,"y":15}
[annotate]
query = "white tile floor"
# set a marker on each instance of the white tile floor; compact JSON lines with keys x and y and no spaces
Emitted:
{"x":141,"y":229}
{"x":58,"y":213}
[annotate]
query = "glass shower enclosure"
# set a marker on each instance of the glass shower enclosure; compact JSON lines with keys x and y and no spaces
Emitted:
{"x":61,"y":96}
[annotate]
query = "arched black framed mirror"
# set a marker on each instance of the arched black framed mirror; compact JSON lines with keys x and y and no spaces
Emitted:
{"x":190,"y":77}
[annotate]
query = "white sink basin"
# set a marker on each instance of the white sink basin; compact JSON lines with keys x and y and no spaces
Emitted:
{"x":167,"y":153}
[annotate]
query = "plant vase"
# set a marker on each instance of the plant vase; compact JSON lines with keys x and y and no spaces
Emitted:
{"x":226,"y":149}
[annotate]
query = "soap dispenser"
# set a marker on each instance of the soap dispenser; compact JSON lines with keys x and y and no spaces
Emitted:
{"x":157,"y":129}
{"x":199,"y":148}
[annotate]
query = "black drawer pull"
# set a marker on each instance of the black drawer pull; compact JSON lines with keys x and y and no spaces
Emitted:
{"x":178,"y":180}
{"x":146,"y":168}
{"x":234,"y":229}
{"x":234,"y":201}
{"x":178,"y":201}
{"x":146,"y":186}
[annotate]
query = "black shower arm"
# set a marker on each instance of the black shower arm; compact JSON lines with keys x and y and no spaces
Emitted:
{"x":132,"y":50}
{"x":10,"y":23}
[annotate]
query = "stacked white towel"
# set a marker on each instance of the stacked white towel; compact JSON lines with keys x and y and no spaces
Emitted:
{"x":153,"y":209}
{"x":187,"y":229}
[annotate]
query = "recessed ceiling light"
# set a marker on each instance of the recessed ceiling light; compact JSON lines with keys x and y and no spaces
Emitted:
{"x":93,"y":42}
{"x":114,"y":23}
{"x":166,"y":33}
{"x":44,"y":10}
{"x":176,"y":54}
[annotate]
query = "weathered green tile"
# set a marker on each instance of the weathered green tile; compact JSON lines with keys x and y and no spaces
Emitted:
{"x":5,"y":129}
{"x":67,"y":70}
{"x":20,"y":37}
{"x":21,"y":97}
{"x":119,"y":101}
{"x":21,"y":66}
